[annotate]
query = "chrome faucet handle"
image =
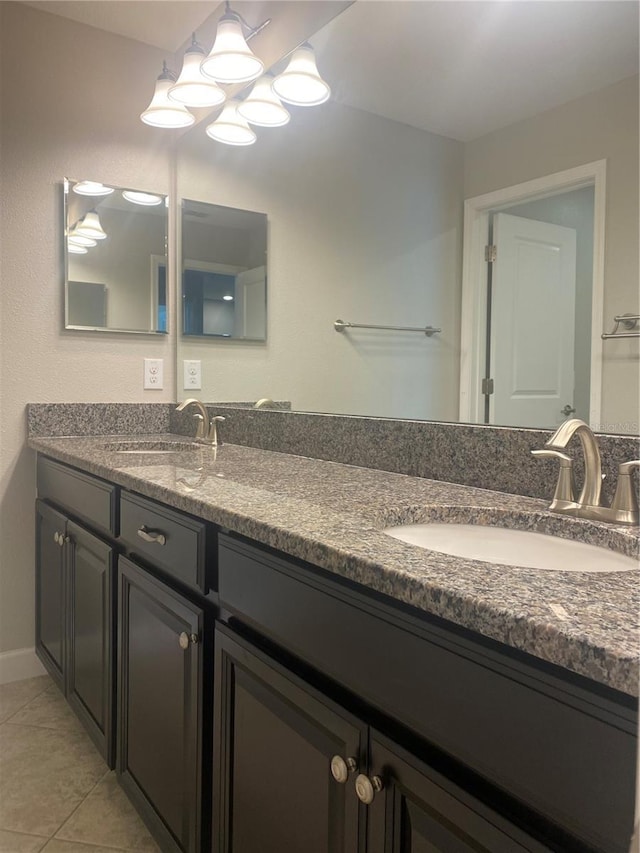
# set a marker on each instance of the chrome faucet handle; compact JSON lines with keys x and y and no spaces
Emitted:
{"x":565,"y":492}
{"x":213,"y":431}
{"x":200,"y":433}
{"x":625,"y":502}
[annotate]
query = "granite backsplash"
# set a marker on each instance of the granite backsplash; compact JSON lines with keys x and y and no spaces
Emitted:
{"x":487,"y":457}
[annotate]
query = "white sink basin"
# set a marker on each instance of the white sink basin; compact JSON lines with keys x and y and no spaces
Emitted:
{"x":521,"y":548}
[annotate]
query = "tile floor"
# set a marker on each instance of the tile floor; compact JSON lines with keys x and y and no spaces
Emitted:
{"x":56,"y":793}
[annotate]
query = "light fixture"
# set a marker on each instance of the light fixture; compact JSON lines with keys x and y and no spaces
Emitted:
{"x":90,"y":226}
{"x":230,"y":127}
{"x":227,"y":297}
{"x":231,"y":59}
{"x":300,"y":83}
{"x":146,"y":199}
{"x":162,"y":111}
{"x":192,"y":88}
{"x":73,"y":249}
{"x":263,"y":107}
{"x":75,"y":239}
{"x":91,"y":188}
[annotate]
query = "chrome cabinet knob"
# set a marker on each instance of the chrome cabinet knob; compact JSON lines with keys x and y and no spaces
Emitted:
{"x":185,"y":640}
{"x":568,"y":410}
{"x":56,"y":538}
{"x":367,"y":788}
{"x":340,"y":768}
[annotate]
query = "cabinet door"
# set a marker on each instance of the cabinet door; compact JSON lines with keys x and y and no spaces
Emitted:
{"x":419,"y":811}
{"x":160,"y":690}
{"x":274,"y":742}
{"x":50,"y":591}
{"x":91,"y":641}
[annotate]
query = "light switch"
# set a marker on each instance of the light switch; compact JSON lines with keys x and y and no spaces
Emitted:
{"x":153,"y":378}
{"x":192,"y":374}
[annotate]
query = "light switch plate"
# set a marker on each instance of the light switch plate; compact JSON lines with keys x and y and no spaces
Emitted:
{"x":153,"y":373}
{"x":192,"y":374}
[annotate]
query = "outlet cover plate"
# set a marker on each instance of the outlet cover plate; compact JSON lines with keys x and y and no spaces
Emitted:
{"x":153,"y":374}
{"x":192,"y":374}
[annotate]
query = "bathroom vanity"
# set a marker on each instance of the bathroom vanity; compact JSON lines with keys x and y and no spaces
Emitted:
{"x":270,"y":671}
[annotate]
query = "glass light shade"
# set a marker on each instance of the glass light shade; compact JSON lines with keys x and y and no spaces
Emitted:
{"x":231,"y":128}
{"x":91,"y":188}
{"x":263,"y":106}
{"x":146,"y":199}
{"x":75,"y":239}
{"x":162,"y":111}
{"x":90,"y":227}
{"x":193,"y":89}
{"x":300,"y":84}
{"x":231,"y":59}
{"x":76,"y":250}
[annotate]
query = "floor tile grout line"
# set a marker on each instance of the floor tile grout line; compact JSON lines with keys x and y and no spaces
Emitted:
{"x":71,"y":814}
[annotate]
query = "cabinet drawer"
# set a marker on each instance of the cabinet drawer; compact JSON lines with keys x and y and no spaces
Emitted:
{"x":569,"y":754}
{"x":173,"y":542}
{"x":87,"y":497}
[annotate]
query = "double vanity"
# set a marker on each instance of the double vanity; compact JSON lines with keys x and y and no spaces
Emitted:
{"x":271,"y":665}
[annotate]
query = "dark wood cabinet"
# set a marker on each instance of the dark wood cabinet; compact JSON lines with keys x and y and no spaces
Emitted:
{"x":161,"y":651}
{"x":295,"y":771}
{"x":274,"y":743}
{"x":51,"y":640}
{"x":91,"y":633}
{"x":75,"y":636}
{"x":417,"y":810}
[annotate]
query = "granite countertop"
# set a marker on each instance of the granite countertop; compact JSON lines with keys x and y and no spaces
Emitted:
{"x":332,"y":515}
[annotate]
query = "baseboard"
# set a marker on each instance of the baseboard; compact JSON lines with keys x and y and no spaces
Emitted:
{"x":18,"y":664}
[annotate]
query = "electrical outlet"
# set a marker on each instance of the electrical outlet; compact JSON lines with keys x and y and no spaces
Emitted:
{"x":192,"y":374}
{"x":153,"y":373}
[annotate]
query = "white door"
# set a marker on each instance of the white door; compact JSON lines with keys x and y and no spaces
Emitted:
{"x":532,"y":322}
{"x":251,"y":304}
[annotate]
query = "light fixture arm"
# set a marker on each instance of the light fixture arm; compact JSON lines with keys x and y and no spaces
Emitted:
{"x":251,"y":31}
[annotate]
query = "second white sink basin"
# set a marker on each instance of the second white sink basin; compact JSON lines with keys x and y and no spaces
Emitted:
{"x":521,"y":548}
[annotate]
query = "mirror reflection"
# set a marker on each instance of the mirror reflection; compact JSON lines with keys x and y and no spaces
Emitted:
{"x":224,"y":272}
{"x":366,"y":201}
{"x":116,"y":265}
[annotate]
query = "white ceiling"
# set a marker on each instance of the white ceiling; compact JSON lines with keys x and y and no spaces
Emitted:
{"x":460,"y":68}
{"x":166,"y":24}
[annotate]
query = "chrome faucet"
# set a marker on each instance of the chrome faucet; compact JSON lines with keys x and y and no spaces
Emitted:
{"x":207,"y":428}
{"x":588,"y":504}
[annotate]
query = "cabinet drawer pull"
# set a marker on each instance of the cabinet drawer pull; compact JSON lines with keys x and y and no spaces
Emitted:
{"x":56,"y":538}
{"x":340,"y":768}
{"x":152,"y":535}
{"x":366,"y":788}
{"x":185,"y":640}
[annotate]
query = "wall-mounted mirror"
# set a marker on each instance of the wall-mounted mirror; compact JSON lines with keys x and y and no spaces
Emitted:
{"x":115,"y":258}
{"x":224,"y":272}
{"x":366,"y":202}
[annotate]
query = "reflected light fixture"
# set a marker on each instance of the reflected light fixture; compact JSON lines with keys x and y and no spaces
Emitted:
{"x":75,"y":239}
{"x":91,"y":188}
{"x":90,"y":226}
{"x":162,"y":111}
{"x":227,"y":297}
{"x":73,"y":249}
{"x":146,"y":199}
{"x":230,"y":127}
{"x":263,"y":107}
{"x":300,"y":83}
{"x":231,"y":60}
{"x":192,"y":88}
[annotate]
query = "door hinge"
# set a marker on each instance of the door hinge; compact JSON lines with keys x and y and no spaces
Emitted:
{"x":487,"y":387}
{"x":490,"y":253}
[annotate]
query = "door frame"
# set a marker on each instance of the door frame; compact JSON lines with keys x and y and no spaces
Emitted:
{"x":477,"y":211}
